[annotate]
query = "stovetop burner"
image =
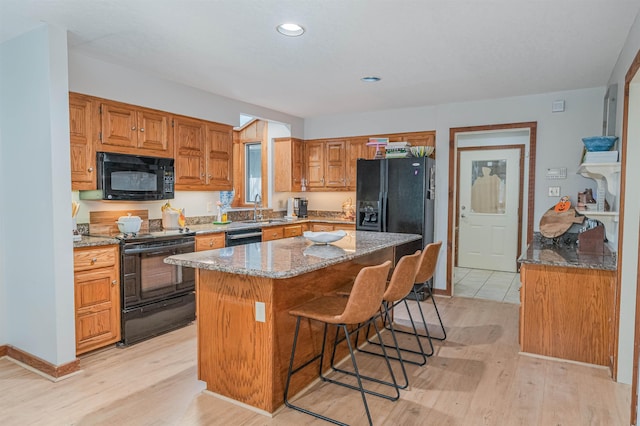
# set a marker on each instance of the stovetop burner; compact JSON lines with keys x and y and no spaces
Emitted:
{"x":155,"y":235}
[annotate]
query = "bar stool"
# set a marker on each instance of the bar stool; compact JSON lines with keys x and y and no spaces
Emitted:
{"x":425,"y":272}
{"x":358,"y":309}
{"x":398,"y":288}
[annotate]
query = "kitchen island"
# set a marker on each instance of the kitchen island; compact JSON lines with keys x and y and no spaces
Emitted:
{"x":244,"y":294}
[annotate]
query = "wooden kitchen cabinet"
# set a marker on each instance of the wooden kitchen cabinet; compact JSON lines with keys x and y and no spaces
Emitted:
{"x":82,"y":135}
{"x":567,"y":312}
{"x":356,"y":148}
{"x":97,"y":297}
{"x":210,"y":241}
{"x":134,"y":130}
{"x":325,"y":165}
{"x":328,"y":226}
{"x":272,"y":233}
{"x":292,"y":230}
{"x":203,"y":160}
{"x":289,"y":164}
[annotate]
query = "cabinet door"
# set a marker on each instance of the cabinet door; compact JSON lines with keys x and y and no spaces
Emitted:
{"x":272,"y":233}
{"x":97,"y":302}
{"x":292,"y":231}
{"x":334,"y":164}
{"x":83,"y":158}
{"x":356,"y":148}
{"x":315,"y":164}
{"x":219,"y":160}
{"x":190,"y":166}
{"x":210,"y":242}
{"x":154,"y":132}
{"x":119,"y":126}
{"x":297,"y":166}
{"x":321,"y":227}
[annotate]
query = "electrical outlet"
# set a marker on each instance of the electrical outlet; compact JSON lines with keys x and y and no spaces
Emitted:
{"x":260,"y":312}
{"x":554,"y":191}
{"x":210,"y":207}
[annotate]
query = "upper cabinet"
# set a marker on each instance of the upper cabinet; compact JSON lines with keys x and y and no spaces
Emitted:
{"x":356,"y":148}
{"x":202,"y":149}
{"x":326,"y":164}
{"x":203,"y":158}
{"x":288,"y":164}
{"x":82,"y":133}
{"x":134,"y":130}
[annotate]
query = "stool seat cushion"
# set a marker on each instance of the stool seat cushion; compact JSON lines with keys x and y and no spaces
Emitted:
{"x":327,"y":309}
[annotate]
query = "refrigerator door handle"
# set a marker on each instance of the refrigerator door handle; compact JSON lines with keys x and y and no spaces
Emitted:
{"x":383,"y":211}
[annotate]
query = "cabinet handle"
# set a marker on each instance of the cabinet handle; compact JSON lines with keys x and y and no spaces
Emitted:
{"x":133,"y":128}
{"x":322,"y":180}
{"x":114,"y":282}
{"x":201,"y":174}
{"x":210,"y":243}
{"x":142,"y":129}
{"x":209,"y":176}
{"x":94,"y":260}
{"x":90,"y":169}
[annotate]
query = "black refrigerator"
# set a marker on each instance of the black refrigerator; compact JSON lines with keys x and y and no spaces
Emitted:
{"x":397,"y":195}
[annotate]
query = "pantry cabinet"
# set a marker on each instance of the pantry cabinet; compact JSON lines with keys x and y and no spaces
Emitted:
{"x":134,"y":130}
{"x":289,"y":164}
{"x":97,"y":297}
{"x":82,"y":133}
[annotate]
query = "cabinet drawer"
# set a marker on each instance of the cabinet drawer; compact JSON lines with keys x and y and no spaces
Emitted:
{"x":292,"y":231}
{"x":272,"y":233}
{"x":210,"y":242}
{"x":93,"y":258}
{"x":321,"y":227}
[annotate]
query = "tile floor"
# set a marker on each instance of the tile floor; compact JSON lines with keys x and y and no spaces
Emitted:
{"x":484,"y":284}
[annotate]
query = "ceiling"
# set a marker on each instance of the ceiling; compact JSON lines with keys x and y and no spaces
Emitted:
{"x":427,"y":52}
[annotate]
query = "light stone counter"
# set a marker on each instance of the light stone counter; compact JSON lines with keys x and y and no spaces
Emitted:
{"x":290,"y":257}
{"x":88,"y":241}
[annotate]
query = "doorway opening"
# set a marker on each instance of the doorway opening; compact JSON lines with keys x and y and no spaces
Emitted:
{"x":482,"y":142}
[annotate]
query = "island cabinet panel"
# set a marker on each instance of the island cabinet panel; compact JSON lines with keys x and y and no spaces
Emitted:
{"x":97,"y":297}
{"x":246,"y":359}
{"x":567,"y":313}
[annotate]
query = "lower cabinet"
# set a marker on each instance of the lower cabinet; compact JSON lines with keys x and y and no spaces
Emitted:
{"x":328,"y":227}
{"x":210,"y":241}
{"x":97,"y":297}
{"x":567,"y":313}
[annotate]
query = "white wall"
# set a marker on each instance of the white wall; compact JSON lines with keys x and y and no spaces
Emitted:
{"x":629,"y":250}
{"x":36,"y":225}
{"x":559,"y":136}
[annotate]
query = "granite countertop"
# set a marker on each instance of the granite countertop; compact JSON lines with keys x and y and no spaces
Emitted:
{"x":544,"y":251}
{"x":88,"y":241}
{"x":210,"y":228}
{"x":289,"y":257}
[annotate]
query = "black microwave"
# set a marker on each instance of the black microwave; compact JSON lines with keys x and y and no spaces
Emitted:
{"x":134,"y":177}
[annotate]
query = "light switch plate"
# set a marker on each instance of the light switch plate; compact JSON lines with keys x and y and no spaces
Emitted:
{"x":554,"y":191}
{"x":260,"y":312}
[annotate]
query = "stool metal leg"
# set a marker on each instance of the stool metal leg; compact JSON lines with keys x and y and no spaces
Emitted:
{"x":291,"y":371}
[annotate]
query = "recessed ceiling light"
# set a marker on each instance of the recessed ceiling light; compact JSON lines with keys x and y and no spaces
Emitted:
{"x":290,"y":30}
{"x":370,"y":79}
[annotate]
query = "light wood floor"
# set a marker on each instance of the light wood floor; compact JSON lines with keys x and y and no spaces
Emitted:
{"x":476,"y":377}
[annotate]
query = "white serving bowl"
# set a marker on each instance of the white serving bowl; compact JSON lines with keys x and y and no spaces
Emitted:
{"x":129,"y":224}
{"x":324,"y":237}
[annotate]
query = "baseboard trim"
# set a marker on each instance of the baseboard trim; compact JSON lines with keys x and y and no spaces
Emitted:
{"x":54,"y":371}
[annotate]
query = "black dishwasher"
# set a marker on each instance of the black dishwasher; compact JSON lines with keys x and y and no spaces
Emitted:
{"x":243,"y":236}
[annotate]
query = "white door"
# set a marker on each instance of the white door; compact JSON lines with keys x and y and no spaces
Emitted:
{"x":489,"y":189}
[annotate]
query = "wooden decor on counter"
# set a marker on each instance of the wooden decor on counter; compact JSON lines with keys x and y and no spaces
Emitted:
{"x":104,"y":222}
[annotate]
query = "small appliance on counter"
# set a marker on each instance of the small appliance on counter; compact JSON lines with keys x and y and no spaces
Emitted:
{"x":291,"y":208}
{"x":303,"y":205}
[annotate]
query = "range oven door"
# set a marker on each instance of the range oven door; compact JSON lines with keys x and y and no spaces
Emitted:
{"x":145,"y":276}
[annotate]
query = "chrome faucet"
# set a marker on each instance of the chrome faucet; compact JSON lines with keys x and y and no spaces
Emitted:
{"x":257,"y":201}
